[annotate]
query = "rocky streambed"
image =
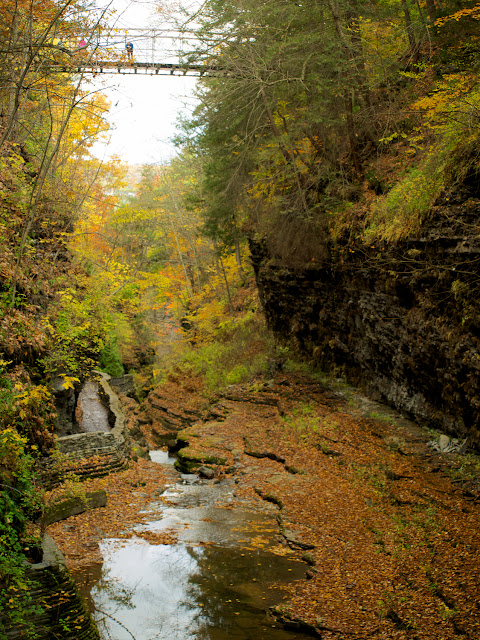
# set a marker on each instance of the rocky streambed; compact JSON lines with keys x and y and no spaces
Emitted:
{"x":200,"y":567}
{"x":384,"y":525}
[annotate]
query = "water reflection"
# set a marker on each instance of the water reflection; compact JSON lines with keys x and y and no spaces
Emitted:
{"x":182,"y":592}
{"x":215,"y":584}
{"x":234,"y":588}
{"x":156,"y":578}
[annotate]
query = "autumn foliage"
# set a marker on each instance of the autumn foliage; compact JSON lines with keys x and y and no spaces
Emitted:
{"x":323,"y":125}
{"x":332,"y":122}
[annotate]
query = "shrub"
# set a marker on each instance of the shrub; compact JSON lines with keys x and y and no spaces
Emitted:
{"x":236,"y":353}
{"x":20,"y":500}
{"x":404,"y":208}
{"x":27,"y":407}
{"x":110,"y":358}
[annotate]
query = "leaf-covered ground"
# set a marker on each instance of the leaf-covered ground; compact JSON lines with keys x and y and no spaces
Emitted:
{"x":388,"y":528}
{"x":129,"y":493}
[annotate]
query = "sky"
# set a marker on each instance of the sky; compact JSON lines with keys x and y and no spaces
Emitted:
{"x":144,"y":108}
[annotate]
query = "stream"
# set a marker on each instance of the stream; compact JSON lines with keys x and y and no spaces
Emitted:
{"x":215,"y":583}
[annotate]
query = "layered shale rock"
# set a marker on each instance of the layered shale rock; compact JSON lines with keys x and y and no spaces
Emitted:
{"x":401,"y":321}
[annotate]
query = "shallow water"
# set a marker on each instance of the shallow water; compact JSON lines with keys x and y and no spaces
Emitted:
{"x":214,"y":584}
{"x":162,"y":457}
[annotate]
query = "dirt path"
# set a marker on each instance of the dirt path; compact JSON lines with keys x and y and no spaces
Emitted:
{"x":388,"y":527}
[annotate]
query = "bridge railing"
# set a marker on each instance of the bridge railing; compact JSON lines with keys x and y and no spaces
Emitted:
{"x":152,"y":50}
{"x":149,"y":45}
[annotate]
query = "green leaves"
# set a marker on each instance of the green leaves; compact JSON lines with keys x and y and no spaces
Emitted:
{"x":19,"y":500}
{"x":272,"y":125}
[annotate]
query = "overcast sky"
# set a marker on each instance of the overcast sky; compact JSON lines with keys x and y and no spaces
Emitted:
{"x":144,"y":108}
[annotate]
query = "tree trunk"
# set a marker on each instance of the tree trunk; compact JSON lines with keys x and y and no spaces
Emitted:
{"x":238,"y":259}
{"x":349,"y":57}
{"x":431,"y":10}
{"x":409,"y":27}
{"x":352,"y":135}
{"x":356,"y":53}
{"x":230,"y":304}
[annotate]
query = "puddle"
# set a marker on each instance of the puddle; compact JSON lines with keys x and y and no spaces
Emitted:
{"x":214,"y":584}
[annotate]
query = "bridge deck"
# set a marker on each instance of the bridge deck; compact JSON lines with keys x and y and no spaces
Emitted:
{"x":133,"y":66}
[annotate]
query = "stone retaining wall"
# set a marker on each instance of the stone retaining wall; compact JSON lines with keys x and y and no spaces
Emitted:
{"x":99,"y":452}
{"x":83,"y":445}
{"x":63,"y":615}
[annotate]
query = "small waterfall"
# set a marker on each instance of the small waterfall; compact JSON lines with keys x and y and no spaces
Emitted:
{"x":91,"y":414}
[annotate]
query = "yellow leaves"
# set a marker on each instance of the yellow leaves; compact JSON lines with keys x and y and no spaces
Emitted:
{"x":393,"y":136}
{"x":69,"y":381}
{"x":34,"y":395}
{"x":444,"y":106}
{"x":381,"y":39}
{"x":68,"y":295}
{"x":12,"y":447}
{"x":279,"y":161}
{"x":12,"y":436}
{"x":411,"y":74}
{"x":471,"y":12}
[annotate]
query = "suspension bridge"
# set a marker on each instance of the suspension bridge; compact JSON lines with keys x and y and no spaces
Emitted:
{"x":131,"y":51}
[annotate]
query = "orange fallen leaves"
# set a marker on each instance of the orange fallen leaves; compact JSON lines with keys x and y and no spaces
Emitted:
{"x":129,"y":492}
{"x":396,"y":544}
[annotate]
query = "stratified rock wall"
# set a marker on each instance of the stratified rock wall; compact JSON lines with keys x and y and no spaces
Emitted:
{"x":61,"y":613}
{"x":402,"y":321}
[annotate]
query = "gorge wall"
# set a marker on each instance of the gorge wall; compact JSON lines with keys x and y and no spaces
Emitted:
{"x":400,"y":321}
{"x":60,"y":613}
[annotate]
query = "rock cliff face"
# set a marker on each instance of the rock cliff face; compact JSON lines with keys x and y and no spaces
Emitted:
{"x":402,"y":322}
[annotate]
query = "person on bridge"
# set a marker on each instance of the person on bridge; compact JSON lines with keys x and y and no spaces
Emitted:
{"x":129,"y":48}
{"x":82,"y":52}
